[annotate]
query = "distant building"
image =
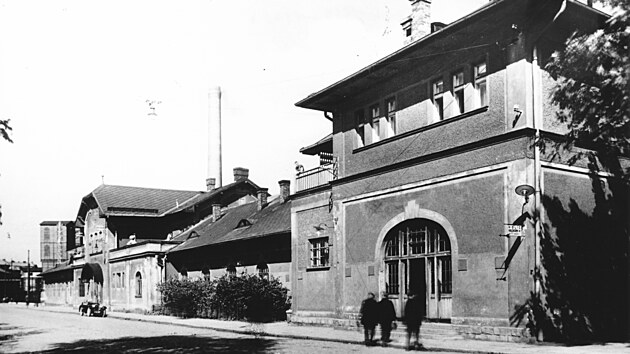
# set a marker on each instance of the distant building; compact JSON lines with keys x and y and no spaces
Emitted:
{"x":56,"y":238}
{"x":124,"y":233}
{"x":14,"y":277}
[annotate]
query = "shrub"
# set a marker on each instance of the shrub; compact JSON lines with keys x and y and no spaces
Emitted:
{"x":247,"y":297}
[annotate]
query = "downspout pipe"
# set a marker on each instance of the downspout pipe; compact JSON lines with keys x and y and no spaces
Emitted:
{"x":328,"y":115}
{"x":536,"y":125}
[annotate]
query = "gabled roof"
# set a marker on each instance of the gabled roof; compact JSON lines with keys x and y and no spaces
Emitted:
{"x":244,"y":183}
{"x":138,"y":201}
{"x":274,"y":219}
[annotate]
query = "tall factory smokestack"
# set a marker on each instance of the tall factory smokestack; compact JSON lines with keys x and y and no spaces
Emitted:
{"x":214,"y":138}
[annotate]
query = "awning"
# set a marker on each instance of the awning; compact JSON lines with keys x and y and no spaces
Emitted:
{"x":92,"y":271}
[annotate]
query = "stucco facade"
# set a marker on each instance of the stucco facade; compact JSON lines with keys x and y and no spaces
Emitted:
{"x":430,"y":145}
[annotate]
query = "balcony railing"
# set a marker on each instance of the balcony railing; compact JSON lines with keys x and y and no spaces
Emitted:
{"x":316,"y":176}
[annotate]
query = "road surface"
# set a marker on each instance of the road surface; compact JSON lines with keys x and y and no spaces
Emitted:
{"x":35,"y":330}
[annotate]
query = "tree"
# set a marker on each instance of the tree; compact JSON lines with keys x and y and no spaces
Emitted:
{"x":592,"y":88}
{"x":5,"y":128}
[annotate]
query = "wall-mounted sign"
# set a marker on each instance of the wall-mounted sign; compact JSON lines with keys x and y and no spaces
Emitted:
{"x":515,"y":230}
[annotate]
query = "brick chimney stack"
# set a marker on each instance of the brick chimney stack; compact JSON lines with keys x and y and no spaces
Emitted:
{"x":418,"y":24}
{"x":240,"y":173}
{"x":262,"y":198}
{"x":216,"y":212}
{"x":285,"y":190}
{"x":210,"y":183}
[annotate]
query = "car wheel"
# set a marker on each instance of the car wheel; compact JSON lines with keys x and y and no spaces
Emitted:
{"x":104,"y":313}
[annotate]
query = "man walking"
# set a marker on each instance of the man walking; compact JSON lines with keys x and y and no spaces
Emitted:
{"x":386,"y":315}
{"x":369,"y":318}
{"x":414,"y":312}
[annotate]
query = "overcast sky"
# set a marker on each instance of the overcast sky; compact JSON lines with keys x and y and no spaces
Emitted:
{"x":75,"y":77}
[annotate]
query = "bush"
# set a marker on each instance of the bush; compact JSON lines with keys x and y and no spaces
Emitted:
{"x":248,"y":297}
{"x":186,"y":298}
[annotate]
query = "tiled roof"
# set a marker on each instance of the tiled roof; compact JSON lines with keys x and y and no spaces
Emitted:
{"x":138,"y":201}
{"x":274,"y":219}
{"x":324,"y":144}
{"x":58,"y":268}
{"x":204,"y":196}
{"x":54,"y":223}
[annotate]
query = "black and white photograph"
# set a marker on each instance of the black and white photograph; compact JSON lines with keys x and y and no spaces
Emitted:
{"x":323,"y":176}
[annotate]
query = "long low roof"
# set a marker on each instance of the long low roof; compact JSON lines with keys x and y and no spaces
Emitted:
{"x":238,"y":223}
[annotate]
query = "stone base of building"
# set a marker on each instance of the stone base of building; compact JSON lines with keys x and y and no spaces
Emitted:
{"x":493,"y":329}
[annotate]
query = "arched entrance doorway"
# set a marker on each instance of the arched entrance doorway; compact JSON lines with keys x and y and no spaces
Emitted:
{"x":417,"y":259}
{"x":91,"y":282}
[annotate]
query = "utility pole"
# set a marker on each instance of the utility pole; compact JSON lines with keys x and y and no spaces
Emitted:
{"x":28,"y":277}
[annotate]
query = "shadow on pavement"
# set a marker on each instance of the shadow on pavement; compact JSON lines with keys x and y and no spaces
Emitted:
{"x":166,"y":344}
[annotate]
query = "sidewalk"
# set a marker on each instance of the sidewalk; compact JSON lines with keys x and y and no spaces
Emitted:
{"x":286,"y":330}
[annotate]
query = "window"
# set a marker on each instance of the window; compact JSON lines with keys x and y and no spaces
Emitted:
{"x":438,"y":98}
{"x":391,"y":117}
{"x":81,"y":288}
{"x":231,"y":270}
{"x":263,"y":270}
{"x":138,"y":284}
{"x":47,"y":251}
{"x":122,"y":280}
{"x":319,"y":252}
{"x":359,"y":127}
{"x":375,"y":110}
{"x":458,"y":92}
{"x":46,"y":234}
{"x":481,"y":87}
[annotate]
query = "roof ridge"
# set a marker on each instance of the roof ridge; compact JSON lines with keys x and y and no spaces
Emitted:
{"x":148,"y":188}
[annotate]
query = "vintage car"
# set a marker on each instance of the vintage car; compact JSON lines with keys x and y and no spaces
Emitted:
{"x":91,"y":308}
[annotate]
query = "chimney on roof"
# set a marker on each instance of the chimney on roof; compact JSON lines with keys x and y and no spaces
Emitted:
{"x":285,"y":190}
{"x":210,"y":183}
{"x":262,"y":198}
{"x":240,"y":173}
{"x":216,"y":212}
{"x":418,"y":24}
{"x":214,"y":135}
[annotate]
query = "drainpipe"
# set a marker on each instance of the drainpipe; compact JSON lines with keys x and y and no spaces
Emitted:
{"x":537,"y":114}
{"x":327,"y":115}
{"x":537,"y":171}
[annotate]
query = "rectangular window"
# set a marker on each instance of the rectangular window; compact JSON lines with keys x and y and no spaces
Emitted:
{"x":446,"y":282}
{"x":359,"y":127}
{"x":376,"y":116}
{"x":481,"y":86}
{"x":392,"y":128}
{"x":319,"y":252}
{"x":438,"y":98}
{"x":392,"y":278}
{"x":458,"y":92}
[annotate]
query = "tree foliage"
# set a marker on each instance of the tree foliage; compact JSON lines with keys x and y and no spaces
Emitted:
{"x":5,"y":129}
{"x":592,"y":88}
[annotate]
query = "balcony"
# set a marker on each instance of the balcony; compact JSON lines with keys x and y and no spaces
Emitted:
{"x":317,"y":176}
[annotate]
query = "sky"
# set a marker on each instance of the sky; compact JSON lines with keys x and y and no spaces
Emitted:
{"x":75,"y":77}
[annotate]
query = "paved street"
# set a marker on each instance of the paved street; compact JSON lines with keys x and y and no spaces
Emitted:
{"x":33,"y":330}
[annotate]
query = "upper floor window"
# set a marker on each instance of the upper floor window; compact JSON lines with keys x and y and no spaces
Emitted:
{"x":376,"y":116}
{"x":359,"y":127}
{"x":47,"y":251}
{"x":46,"y":234}
{"x":319,"y":252}
{"x":458,"y":92}
{"x":437,"y":89}
{"x":392,"y":128}
{"x":481,"y":88}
